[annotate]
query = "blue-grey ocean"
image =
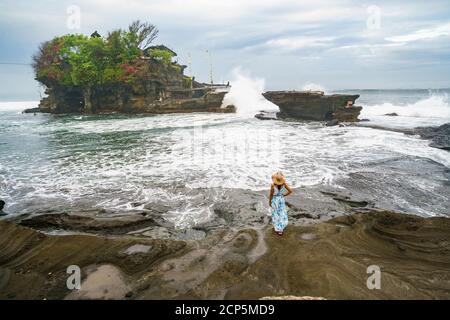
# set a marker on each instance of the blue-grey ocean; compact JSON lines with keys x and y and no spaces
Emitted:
{"x":120,"y":162}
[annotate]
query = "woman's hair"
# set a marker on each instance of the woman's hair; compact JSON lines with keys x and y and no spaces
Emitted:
{"x":2,"y":204}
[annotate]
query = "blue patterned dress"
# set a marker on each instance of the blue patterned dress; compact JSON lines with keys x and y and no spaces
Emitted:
{"x":279,"y":212}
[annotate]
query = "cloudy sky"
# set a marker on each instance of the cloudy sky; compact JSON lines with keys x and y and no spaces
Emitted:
{"x":289,"y":43}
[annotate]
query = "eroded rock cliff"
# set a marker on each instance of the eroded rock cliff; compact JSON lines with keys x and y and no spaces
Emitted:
{"x":161,"y":89}
{"x":314,"y":105}
{"x":120,"y":72}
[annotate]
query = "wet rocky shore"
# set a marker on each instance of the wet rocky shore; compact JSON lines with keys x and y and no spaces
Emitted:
{"x":439,"y":136}
{"x":332,"y":238}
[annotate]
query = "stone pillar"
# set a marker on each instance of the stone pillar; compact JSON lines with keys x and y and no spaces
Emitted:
{"x":87,"y":100}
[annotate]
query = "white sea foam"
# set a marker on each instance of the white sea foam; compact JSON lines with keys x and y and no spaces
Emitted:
{"x":313,"y":87}
{"x":17,"y":105}
{"x":124,"y":163}
{"x":433,"y":110}
{"x":246,"y":92}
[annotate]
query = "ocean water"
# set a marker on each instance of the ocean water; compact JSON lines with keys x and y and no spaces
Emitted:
{"x":414,"y":107}
{"x":122,"y":163}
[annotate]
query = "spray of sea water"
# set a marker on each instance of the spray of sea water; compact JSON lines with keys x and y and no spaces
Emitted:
{"x":245,"y":94}
{"x":430,"y":110}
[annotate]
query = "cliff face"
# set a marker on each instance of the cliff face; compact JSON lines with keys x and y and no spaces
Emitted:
{"x":159,"y":89}
{"x":120,"y":72}
{"x":314,"y":105}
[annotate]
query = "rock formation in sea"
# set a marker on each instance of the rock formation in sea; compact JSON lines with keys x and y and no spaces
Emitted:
{"x":439,"y":136}
{"x":122,"y":73}
{"x":315,"y":105}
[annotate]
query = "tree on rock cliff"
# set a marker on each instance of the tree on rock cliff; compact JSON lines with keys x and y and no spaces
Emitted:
{"x":76,"y":60}
{"x":142,"y":34}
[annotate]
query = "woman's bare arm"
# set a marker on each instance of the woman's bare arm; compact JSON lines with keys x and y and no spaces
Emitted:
{"x":270,"y":195}
{"x":289,"y":190}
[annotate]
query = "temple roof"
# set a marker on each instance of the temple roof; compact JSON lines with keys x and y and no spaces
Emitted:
{"x":160,"y":47}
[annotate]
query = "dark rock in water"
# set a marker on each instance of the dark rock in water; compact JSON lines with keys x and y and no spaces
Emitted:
{"x":393,"y":114}
{"x":346,"y":113}
{"x":229,"y":109}
{"x":148,"y":97}
{"x":315,"y":105}
{"x":263,"y":115}
{"x":31,"y":110}
{"x":439,"y":136}
{"x":333,"y":122}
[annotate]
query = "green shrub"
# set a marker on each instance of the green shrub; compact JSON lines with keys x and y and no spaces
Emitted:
{"x":162,"y":55}
{"x":77,"y":60}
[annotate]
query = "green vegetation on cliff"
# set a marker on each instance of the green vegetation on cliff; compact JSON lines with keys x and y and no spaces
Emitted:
{"x":162,"y":54}
{"x":81,"y":73}
{"x":78,"y":60}
{"x":120,"y":72}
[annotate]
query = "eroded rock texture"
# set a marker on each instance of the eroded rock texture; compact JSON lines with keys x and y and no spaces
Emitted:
{"x":439,"y":136}
{"x":327,"y":260}
{"x":159,"y":89}
{"x":314,"y":105}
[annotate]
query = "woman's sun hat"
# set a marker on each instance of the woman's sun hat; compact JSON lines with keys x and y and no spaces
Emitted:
{"x":278,"y":178}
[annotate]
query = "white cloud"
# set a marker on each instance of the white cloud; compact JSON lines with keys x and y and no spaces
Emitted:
{"x":423,"y":34}
{"x":295,"y":43}
{"x":331,"y":13}
{"x":377,"y":51}
{"x":271,"y":38}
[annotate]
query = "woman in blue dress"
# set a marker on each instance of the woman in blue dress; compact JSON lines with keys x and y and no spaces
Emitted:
{"x":278,"y":190}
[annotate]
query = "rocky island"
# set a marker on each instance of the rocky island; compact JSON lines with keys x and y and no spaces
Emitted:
{"x":121,"y":73}
{"x":315,"y":105}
